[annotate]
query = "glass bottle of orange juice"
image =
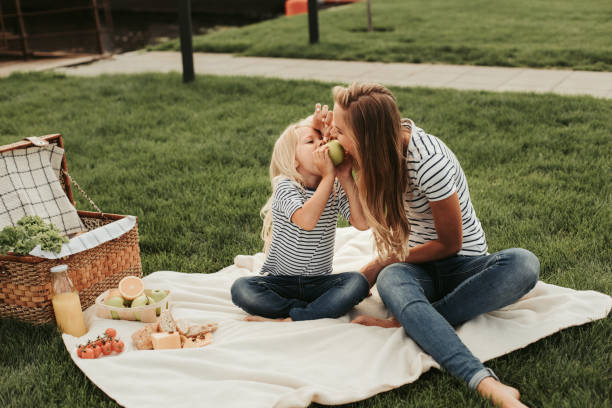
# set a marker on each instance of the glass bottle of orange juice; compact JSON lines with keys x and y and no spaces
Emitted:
{"x":66,"y":303}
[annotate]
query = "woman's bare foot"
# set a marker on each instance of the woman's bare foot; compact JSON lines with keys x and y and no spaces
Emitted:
{"x":502,"y":395}
{"x":367,"y":320}
{"x":253,"y":318}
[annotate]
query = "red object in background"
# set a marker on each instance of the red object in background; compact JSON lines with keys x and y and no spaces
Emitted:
{"x":293,"y":7}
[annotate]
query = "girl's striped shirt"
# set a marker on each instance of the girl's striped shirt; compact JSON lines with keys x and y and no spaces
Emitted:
{"x":293,"y":250}
{"x":435,"y":174}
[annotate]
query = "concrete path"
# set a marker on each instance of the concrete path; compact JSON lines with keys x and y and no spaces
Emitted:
{"x":46,"y":64}
{"x":565,"y":82}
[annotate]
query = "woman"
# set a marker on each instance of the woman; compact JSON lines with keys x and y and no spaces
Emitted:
{"x":432,"y":270}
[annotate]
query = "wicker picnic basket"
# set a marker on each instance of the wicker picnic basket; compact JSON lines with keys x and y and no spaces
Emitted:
{"x":25,"y":281}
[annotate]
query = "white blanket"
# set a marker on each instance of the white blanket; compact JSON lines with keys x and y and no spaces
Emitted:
{"x":328,"y":361}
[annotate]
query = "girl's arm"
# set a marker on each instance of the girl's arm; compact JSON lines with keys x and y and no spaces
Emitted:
{"x":447,"y":220}
{"x":308,"y":216}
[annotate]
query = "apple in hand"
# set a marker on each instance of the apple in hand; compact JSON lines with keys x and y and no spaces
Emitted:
{"x":336,"y":152}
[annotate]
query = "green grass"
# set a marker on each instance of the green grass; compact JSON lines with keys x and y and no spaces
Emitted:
{"x":191,"y":162}
{"x":515,"y":33}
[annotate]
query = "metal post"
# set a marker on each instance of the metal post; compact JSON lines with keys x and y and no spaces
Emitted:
{"x":313,"y":21}
{"x":186,"y":44}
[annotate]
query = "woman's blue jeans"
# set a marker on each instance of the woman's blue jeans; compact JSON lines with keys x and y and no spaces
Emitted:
{"x":300,"y":297}
{"x":428,"y":299}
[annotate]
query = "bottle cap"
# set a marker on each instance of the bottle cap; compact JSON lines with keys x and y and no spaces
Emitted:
{"x":59,"y":268}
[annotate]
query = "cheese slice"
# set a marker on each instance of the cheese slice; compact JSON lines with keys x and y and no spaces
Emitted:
{"x":163,"y":341}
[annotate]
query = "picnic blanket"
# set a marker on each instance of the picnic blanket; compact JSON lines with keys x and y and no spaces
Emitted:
{"x":328,"y":361}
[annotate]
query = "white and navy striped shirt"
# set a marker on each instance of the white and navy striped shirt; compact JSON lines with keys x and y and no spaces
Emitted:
{"x":435,"y":174}
{"x":293,"y":250}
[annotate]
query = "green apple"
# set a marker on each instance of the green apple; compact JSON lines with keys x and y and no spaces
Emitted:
{"x":141,"y":300}
{"x":336,"y":152}
{"x":114,"y":301}
{"x":158,"y":295}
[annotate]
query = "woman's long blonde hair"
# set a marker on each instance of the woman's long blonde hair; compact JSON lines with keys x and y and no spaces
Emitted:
{"x":282,"y":165}
{"x":380,"y":165}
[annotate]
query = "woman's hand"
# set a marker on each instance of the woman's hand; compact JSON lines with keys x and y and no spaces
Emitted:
{"x":343,"y":170}
{"x":372,"y":269}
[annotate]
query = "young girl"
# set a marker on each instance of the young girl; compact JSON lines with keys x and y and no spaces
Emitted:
{"x":299,"y":231}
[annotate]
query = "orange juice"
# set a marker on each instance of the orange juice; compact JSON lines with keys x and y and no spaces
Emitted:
{"x":68,"y":314}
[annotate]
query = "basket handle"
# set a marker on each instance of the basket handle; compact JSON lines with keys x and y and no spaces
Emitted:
{"x":82,"y":191}
{"x":36,"y":141}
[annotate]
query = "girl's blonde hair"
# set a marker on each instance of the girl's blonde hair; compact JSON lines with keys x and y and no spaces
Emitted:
{"x":380,"y":164}
{"x":282,"y":165}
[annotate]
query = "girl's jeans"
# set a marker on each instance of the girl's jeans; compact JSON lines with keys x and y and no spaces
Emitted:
{"x":428,"y":299}
{"x":300,"y":297}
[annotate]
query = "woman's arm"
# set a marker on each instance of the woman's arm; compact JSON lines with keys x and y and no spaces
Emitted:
{"x":358,"y":219}
{"x":447,"y":221}
{"x":345,"y":177}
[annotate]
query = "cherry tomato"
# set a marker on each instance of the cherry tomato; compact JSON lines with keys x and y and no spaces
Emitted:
{"x":111,"y":333}
{"x":80,"y":351}
{"x":98,"y":341}
{"x":97,"y":350}
{"x":118,"y":345}
{"x":107,"y":348}
{"x":87,"y":353}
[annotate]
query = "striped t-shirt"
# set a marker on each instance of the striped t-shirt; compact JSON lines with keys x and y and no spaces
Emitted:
{"x":293,"y":250}
{"x":435,"y":174}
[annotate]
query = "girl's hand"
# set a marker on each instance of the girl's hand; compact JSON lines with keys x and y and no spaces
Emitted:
{"x":321,"y":120}
{"x":323,"y":162}
{"x":343,"y":170}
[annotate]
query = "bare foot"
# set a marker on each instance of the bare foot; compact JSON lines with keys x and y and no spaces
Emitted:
{"x":253,"y":318}
{"x":500,"y":394}
{"x":375,"y":321}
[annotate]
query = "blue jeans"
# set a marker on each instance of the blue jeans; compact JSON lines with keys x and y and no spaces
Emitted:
{"x":300,"y":297}
{"x":428,"y":299}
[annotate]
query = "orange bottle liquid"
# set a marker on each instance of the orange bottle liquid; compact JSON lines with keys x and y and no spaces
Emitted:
{"x":66,"y":303}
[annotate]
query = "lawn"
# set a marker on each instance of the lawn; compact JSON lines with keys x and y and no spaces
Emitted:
{"x":191,"y":162}
{"x":516,"y":33}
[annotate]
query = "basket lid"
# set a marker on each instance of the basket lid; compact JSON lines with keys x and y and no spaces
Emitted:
{"x":56,"y":139}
